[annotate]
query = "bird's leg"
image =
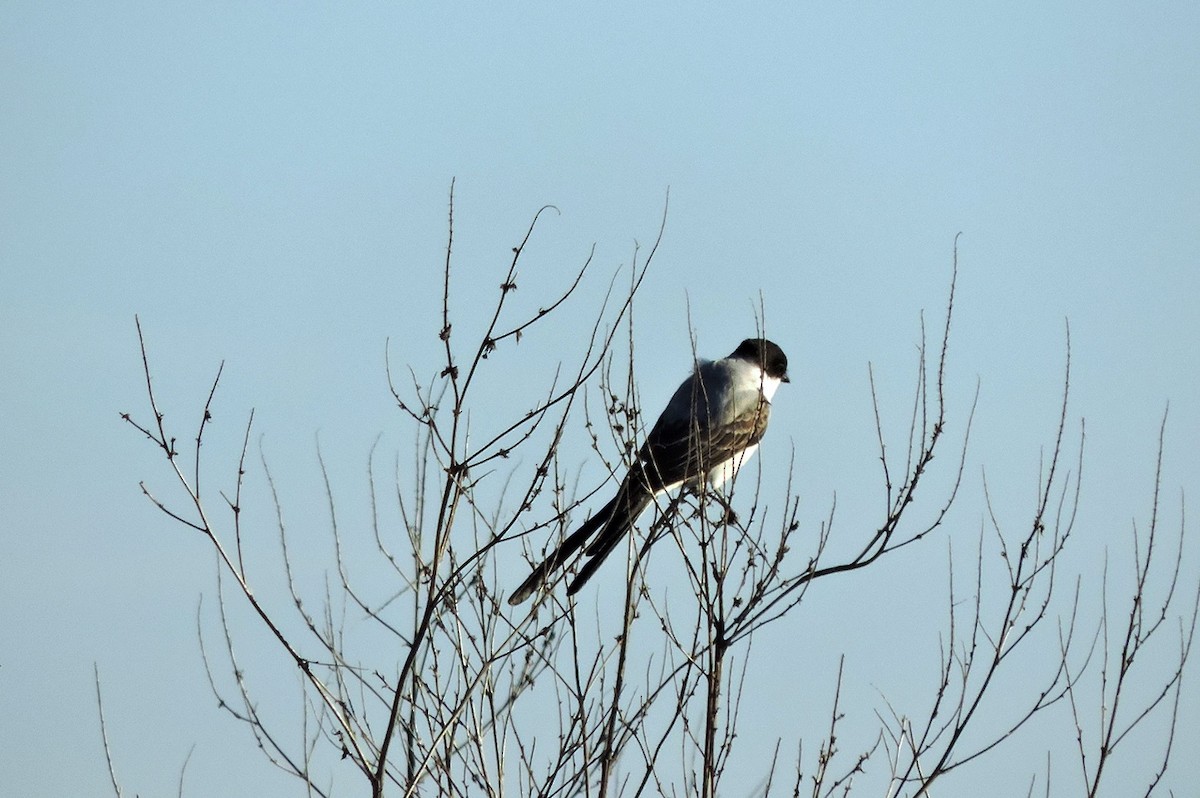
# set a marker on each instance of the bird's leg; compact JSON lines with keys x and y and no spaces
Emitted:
{"x":730,"y":517}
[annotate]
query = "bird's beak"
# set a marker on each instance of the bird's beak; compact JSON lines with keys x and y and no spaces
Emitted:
{"x":786,"y":378}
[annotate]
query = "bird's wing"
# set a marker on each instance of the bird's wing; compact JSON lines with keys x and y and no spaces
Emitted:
{"x":685,"y":452}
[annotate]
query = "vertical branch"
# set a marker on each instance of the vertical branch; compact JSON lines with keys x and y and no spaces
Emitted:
{"x":108,"y":760}
{"x":204,"y":419}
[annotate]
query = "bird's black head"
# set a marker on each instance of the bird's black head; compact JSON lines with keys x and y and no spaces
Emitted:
{"x":765,"y":354}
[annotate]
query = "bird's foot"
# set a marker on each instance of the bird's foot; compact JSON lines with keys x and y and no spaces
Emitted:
{"x":728,"y":517}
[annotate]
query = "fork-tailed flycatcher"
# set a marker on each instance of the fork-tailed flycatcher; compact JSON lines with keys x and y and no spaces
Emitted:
{"x":709,"y":429}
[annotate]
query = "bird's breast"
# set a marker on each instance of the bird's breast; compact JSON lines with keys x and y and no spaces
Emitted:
{"x":723,"y":472}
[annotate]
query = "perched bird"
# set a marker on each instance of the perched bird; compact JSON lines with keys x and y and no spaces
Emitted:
{"x":709,"y":429}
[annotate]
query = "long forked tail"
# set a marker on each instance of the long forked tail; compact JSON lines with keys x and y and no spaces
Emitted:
{"x":560,"y":555}
{"x":621,"y":520}
{"x":596,"y":555}
{"x":600,"y":534}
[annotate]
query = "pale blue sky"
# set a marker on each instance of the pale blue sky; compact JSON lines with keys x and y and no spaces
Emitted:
{"x":268,"y":186}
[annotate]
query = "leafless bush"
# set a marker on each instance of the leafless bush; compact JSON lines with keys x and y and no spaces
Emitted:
{"x":555,"y":698}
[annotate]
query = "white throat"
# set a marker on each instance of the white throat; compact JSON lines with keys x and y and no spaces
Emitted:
{"x":769,"y":386}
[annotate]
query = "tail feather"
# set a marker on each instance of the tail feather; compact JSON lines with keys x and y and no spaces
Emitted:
{"x":597,"y":554}
{"x":619,"y":524}
{"x":622,"y":512}
{"x":560,"y":555}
